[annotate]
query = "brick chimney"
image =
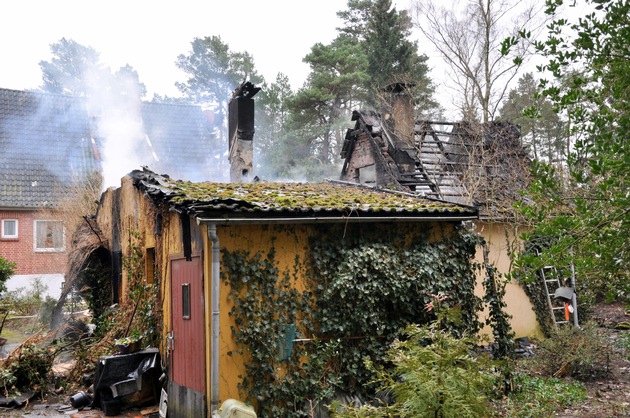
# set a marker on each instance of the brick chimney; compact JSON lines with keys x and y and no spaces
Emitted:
{"x":401,"y":105}
{"x":241,"y":132}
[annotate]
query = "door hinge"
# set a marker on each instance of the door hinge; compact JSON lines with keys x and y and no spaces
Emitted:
{"x":170,"y":341}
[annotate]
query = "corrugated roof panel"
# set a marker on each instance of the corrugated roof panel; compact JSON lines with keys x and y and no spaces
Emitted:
{"x":291,"y":199}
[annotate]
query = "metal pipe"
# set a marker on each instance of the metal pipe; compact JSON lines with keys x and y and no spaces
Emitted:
{"x":214,"y":306}
{"x":576,"y":323}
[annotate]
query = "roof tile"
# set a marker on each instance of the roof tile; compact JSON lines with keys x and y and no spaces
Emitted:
{"x":45,"y":143}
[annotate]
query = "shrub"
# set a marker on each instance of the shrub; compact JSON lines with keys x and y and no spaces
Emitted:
{"x":6,"y":271}
{"x":29,"y":371}
{"x":583,"y":354}
{"x":435,"y":375}
{"x":46,"y":309}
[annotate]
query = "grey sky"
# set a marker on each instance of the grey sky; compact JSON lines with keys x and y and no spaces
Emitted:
{"x":149,"y":35}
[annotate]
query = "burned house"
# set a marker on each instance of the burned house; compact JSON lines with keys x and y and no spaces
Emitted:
{"x":189,"y":230}
{"x":481,"y":165}
{"x":474,"y":164}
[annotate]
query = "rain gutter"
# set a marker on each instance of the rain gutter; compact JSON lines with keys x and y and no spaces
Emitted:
{"x":331,"y":219}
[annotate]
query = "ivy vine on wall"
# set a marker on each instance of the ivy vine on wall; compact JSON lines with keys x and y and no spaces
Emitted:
{"x":363,"y":287}
{"x":266,"y":300}
{"x":144,"y":296}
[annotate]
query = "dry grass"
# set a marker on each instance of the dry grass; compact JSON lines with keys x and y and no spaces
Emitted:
{"x":78,"y":203}
{"x":75,"y":201}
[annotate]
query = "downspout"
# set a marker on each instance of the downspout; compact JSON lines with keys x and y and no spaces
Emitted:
{"x":214,"y":306}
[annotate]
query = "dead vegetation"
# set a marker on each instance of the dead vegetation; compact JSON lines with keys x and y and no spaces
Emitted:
{"x":493,"y":165}
{"x":58,"y":361}
{"x":86,"y":239}
{"x":76,"y":199}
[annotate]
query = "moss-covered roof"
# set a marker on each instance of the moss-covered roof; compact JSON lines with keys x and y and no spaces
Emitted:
{"x":272,"y":199}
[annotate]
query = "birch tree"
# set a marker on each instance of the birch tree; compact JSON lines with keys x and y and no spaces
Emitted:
{"x":471,"y":38}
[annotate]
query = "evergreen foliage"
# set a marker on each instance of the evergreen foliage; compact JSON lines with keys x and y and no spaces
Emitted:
{"x":391,"y":56}
{"x":214,"y":71}
{"x":542,"y":130}
{"x":320,"y":111}
{"x":582,"y":209}
{"x":371,"y":52}
{"x":94,"y":281}
{"x":76,"y":70}
{"x":7,"y":269}
{"x":271,"y":145}
{"x":69,"y":66}
{"x":494,"y":288}
{"x":435,"y":374}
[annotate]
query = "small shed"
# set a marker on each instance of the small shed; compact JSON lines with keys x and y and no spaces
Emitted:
{"x":202,"y":242}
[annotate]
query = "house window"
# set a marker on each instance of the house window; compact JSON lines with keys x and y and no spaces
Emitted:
{"x":149,"y":265}
{"x":186,"y":301}
{"x":367,"y":175}
{"x":9,"y":228}
{"x":49,"y":236}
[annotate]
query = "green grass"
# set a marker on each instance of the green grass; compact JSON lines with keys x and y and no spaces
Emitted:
{"x":623,"y":342}
{"x":12,"y":336}
{"x":538,"y":397}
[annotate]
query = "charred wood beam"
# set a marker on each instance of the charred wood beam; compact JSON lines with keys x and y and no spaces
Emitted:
{"x":246,"y":90}
{"x":186,"y":236}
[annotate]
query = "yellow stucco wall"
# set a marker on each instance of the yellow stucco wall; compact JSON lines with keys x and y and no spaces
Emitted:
{"x":138,"y":213}
{"x":501,"y":239}
{"x":289,"y":242}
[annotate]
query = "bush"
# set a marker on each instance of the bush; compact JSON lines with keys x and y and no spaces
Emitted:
{"x":7,"y":269}
{"x":29,"y":372}
{"x":583,"y":354}
{"x":435,"y":375}
{"x":46,"y":309}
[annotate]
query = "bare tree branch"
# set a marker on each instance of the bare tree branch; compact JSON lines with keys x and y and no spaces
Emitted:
{"x":470,"y":36}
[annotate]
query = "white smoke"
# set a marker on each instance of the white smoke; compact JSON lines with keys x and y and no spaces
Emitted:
{"x":114,"y":105}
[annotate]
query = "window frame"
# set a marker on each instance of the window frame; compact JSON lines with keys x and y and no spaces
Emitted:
{"x":6,"y":236}
{"x":186,"y":300}
{"x":37,"y":249}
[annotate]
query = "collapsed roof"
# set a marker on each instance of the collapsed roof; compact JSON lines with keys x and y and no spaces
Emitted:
{"x":475,"y":164}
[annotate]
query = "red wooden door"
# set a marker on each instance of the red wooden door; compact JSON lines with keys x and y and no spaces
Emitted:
{"x":187,"y":355}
